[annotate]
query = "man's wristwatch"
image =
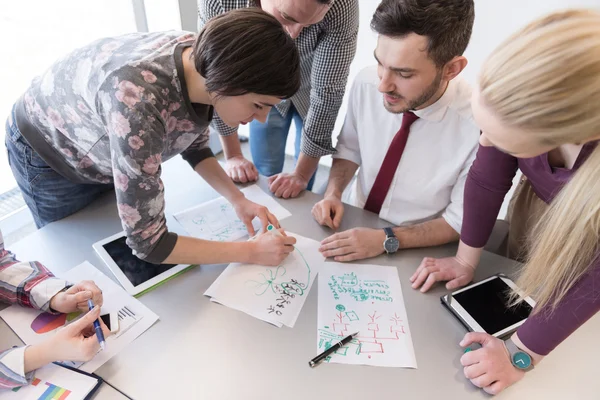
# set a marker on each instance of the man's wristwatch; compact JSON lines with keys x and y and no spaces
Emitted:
{"x":391,"y":244}
{"x":519,"y":358}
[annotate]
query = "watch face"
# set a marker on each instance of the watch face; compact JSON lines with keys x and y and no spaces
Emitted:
{"x":391,"y":245}
{"x":521,"y":360}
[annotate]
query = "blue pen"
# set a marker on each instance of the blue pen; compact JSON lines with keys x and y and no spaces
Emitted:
{"x":97,"y":328}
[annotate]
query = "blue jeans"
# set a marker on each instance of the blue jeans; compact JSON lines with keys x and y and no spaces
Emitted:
{"x":49,"y":195}
{"x":267,"y":142}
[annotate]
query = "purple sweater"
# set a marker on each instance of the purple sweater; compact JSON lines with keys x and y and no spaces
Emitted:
{"x":490,"y":178}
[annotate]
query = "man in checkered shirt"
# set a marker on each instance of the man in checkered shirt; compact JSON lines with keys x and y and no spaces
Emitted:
{"x":325,"y":32}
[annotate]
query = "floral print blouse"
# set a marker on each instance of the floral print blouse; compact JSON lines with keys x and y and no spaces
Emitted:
{"x":112,"y":112}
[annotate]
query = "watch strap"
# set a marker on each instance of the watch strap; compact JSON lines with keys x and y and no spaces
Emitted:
{"x":513,"y":349}
{"x":389,"y":232}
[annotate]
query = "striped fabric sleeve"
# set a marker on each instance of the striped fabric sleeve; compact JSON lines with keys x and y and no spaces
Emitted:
{"x":12,"y":369}
{"x":28,"y":284}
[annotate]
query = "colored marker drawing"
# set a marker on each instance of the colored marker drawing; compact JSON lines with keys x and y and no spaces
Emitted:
{"x":372,"y":339}
{"x":217,"y":220}
{"x":287,"y":288}
{"x":273,"y":294}
{"x":220,"y":223}
{"x":267,"y":281}
{"x":366,"y":299}
{"x":349,"y":285}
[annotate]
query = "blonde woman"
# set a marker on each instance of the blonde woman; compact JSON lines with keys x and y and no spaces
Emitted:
{"x":538,"y":107}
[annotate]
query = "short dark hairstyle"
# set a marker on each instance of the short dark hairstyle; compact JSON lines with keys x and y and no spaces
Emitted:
{"x":247,"y":51}
{"x":326,"y":2}
{"x":446,"y":23}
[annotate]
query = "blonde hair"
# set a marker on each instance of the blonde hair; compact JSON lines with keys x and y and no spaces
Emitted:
{"x":545,"y":80}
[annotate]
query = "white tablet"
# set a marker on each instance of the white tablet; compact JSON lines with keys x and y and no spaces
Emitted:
{"x":484,"y":306}
{"x":135,"y":275}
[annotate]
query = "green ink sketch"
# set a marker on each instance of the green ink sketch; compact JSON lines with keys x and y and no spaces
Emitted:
{"x":267,"y":282}
{"x":352,"y":316}
{"x":340,"y":307}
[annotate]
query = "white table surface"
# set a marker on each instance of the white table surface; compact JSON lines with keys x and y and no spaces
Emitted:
{"x":202,"y":350}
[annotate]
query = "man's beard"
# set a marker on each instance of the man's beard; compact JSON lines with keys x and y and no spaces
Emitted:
{"x":427,"y":94}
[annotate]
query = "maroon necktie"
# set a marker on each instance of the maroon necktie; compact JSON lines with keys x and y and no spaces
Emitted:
{"x":390,"y":165}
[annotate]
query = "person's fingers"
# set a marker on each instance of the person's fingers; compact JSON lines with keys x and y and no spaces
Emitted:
{"x":325,"y":215}
{"x":426,"y":262}
{"x":336,"y":244}
{"x":85,"y":321}
{"x":296,"y":189}
{"x":251,"y":172}
{"x":473,"y":371}
{"x":264,"y":218}
{"x":339,"y":251}
{"x":282,"y":231}
{"x":475,"y":337}
{"x":234,"y":174}
{"x":495,"y":388}
{"x":432,"y":279}
{"x":81,"y":297}
{"x":282,"y":187}
{"x":317,"y":214}
{"x":288,"y":249}
{"x":275,"y":185}
{"x":241,"y":173}
{"x":273,"y":220}
{"x":96,"y":292}
{"x":470,"y":358}
{"x":289,"y":240}
{"x":272,"y":178}
{"x":483,"y":380}
{"x":458,"y":282}
{"x":287,"y":193}
{"x":91,"y":347}
{"x":422,"y":277}
{"x":348,"y":257}
{"x":333,"y":238}
{"x":249,"y":227}
{"x":338,"y":212}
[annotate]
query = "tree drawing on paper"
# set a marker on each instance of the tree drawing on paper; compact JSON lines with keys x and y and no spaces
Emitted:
{"x":286,"y":289}
{"x":371,"y":341}
{"x":268,"y":280}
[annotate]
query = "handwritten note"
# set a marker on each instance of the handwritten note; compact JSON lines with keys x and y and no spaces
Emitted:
{"x":365,"y":299}
{"x":217,"y":220}
{"x":272,"y":294}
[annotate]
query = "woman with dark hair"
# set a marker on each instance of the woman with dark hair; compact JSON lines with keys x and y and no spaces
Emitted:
{"x":108,"y":114}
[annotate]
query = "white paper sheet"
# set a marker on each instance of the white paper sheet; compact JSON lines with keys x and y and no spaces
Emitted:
{"x":52,"y":382}
{"x":272,"y":294}
{"x":217,"y":220}
{"x":25,"y":322}
{"x":365,"y":299}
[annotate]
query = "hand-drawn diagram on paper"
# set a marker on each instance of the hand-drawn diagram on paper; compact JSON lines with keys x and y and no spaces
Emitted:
{"x":273,"y":294}
{"x":367,"y":299}
{"x":217,"y":220}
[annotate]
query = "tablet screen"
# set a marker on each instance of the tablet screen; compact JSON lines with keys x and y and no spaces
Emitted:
{"x":487,"y":304}
{"x":136,"y":270}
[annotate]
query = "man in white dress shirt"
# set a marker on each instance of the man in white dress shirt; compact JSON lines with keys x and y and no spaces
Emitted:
{"x":408,"y":130}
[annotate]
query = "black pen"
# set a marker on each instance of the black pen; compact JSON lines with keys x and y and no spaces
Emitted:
{"x":330,"y":350}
